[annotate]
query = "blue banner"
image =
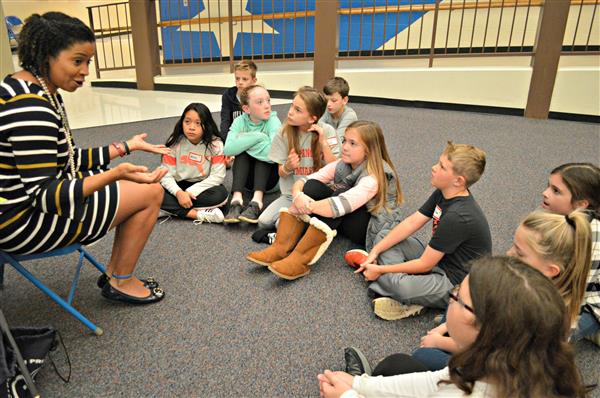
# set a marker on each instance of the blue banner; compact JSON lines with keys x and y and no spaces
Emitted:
{"x":202,"y":39}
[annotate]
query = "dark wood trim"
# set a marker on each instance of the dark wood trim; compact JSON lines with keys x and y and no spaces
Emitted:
{"x":326,"y":46}
{"x":549,"y":43}
{"x":145,"y":42}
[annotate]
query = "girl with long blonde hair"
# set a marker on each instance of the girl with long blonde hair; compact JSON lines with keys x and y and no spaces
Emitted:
{"x":348,"y":195}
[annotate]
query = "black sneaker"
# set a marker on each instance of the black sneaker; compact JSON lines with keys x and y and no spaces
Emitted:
{"x":356,"y":362}
{"x":262,"y":235}
{"x":233,"y":215}
{"x":250,"y":215}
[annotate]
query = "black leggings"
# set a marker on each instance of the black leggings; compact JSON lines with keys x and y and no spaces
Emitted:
{"x":211,"y":197}
{"x":253,"y":174}
{"x":352,"y":225}
{"x":398,"y":364}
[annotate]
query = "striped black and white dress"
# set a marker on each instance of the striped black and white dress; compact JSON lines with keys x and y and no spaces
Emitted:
{"x":41,"y":206}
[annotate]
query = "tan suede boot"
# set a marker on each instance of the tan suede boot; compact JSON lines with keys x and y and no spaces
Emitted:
{"x":308,"y":251}
{"x":289,"y":232}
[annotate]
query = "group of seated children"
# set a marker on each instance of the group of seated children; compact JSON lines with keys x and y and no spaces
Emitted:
{"x":503,"y":349}
{"x":335,"y":176}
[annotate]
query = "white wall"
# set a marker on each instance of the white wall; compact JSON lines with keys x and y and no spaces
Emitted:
{"x":499,"y":81}
{"x":491,"y":81}
{"x":74,"y":8}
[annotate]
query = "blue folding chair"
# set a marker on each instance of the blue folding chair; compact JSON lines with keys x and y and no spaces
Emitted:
{"x":13,"y":25}
{"x":15,"y":261}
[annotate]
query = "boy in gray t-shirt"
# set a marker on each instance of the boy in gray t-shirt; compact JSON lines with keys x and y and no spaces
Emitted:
{"x":339,"y":115}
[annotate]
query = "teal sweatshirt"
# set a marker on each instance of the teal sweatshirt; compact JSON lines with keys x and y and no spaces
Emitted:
{"x":253,"y":138}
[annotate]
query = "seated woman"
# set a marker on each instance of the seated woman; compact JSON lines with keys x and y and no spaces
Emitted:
{"x":54,"y":194}
{"x":511,"y":325}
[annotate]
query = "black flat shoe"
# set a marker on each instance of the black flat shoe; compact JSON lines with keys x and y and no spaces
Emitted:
{"x":356,"y":362}
{"x":109,"y":292}
{"x":149,"y":283}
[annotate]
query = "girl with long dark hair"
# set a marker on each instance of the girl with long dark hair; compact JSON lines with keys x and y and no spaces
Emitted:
{"x":196,"y":168}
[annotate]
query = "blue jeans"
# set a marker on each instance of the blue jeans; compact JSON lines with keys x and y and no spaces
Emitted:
{"x":587,"y":325}
{"x":433,"y":358}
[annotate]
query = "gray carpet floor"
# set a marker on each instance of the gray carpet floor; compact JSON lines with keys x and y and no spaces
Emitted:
{"x":228,"y":328}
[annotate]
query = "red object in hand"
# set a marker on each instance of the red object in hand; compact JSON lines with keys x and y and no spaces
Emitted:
{"x":355,"y":257}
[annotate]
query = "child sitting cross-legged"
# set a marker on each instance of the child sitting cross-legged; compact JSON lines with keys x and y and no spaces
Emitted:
{"x":196,"y":168}
{"x":410,"y":276}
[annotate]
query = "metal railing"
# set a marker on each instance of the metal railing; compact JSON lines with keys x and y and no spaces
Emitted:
{"x":224,"y":31}
{"x":224,"y":27}
{"x":111,"y":24}
{"x":580,"y":40}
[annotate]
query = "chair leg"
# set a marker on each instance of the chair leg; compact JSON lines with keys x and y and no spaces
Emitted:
{"x":28,"y":275}
{"x":92,"y":260}
{"x":75,"y":279}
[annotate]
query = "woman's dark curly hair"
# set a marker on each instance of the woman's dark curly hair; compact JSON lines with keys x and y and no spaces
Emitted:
{"x":45,"y":36}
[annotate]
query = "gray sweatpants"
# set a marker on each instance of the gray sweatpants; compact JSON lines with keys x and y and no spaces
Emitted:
{"x":270,"y":215}
{"x":429,"y":290}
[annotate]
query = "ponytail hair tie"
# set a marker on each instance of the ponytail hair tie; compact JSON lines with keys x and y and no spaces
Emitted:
{"x":569,"y":221}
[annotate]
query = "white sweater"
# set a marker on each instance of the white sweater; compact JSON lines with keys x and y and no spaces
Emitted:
{"x":423,"y":384}
{"x":194,"y":163}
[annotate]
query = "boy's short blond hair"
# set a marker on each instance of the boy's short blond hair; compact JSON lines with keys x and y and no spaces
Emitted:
{"x":467,"y":161}
{"x":246,"y":66}
{"x":337,"y":85}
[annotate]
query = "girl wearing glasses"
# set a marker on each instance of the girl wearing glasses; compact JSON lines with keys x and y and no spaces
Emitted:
{"x":510,"y":324}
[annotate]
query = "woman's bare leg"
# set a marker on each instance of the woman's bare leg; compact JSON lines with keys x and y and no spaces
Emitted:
{"x":136,"y":216}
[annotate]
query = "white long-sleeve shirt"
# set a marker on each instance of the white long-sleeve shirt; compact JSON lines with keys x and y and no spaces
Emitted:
{"x":194,"y":163}
{"x":415,"y":385}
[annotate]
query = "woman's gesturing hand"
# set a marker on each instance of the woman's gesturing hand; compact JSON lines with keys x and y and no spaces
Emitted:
{"x":139,"y":174}
{"x":138,"y":143}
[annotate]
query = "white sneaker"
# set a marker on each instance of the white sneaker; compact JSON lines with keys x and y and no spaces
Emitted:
{"x":209,"y":215}
{"x":391,"y":310}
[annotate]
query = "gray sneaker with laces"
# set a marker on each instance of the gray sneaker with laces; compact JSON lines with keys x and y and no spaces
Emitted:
{"x":251,"y":213}
{"x":233,"y":215}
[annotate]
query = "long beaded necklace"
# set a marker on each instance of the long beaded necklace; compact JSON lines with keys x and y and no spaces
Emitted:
{"x":63,"y":116}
